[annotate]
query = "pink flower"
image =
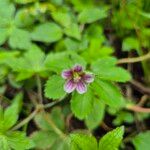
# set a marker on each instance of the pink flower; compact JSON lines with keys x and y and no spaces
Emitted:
{"x":77,"y":79}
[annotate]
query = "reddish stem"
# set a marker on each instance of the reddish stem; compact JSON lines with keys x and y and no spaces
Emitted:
{"x":138,"y":109}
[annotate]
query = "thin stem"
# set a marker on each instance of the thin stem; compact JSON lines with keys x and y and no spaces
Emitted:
{"x":32,"y":98}
{"x":38,"y":107}
{"x":46,"y":116}
{"x":140,"y":86}
{"x":51,"y":104}
{"x":33,"y":114}
{"x":135,"y":59}
{"x":105,"y":126}
{"x":52,"y":124}
{"x":26,"y":120}
{"x":39,"y":86}
{"x":137,"y":108}
{"x":142,"y":100}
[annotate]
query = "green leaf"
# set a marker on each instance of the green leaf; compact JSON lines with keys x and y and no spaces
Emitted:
{"x":54,"y":88}
{"x":23,"y":18}
{"x":105,"y":62}
{"x":7,"y":55}
{"x":105,"y":69}
{"x":112,"y":139}
{"x":80,"y":141}
{"x":57,"y":117}
{"x":71,"y":44}
{"x":34,"y":62}
{"x":73,"y":31}
{"x":3,"y":143}
{"x":79,"y":5}
{"x":12,"y":112}
{"x":68,"y":60}
{"x":144,"y":14}
{"x":92,"y":14}
{"x":62,"y":144}
{"x":24,"y":75}
{"x":18,"y":141}
{"x":29,"y":64}
{"x":63,"y":18}
{"x":114,"y":74}
{"x":22,"y":36}
{"x":142,"y":141}
{"x":53,"y":61}
{"x":96,"y":115}
{"x":44,"y":139}
{"x":7,"y":9}
{"x":81,"y":104}
{"x":122,"y":117}
{"x":95,"y":32}
{"x":3,"y":35}
{"x":41,"y":122}
{"x":108,"y":93}
{"x":24,"y":1}
{"x":130,"y":43}
{"x":47,"y":32}
{"x":74,"y":45}
{"x":47,"y":132}
{"x":15,"y":140}
{"x":96,"y":48}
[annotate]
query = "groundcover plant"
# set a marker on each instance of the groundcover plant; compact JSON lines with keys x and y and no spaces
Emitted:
{"x":74,"y":74}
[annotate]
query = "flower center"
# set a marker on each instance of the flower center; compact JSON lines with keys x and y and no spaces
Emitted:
{"x":76,"y":77}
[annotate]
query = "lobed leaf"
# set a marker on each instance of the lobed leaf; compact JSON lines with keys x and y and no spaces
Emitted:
{"x":54,"y":88}
{"x":80,"y":141}
{"x":48,"y":32}
{"x":92,"y":14}
{"x":44,"y":139}
{"x":112,"y":139}
{"x":11,"y":114}
{"x":105,"y":69}
{"x":141,"y":141}
{"x":81,"y":104}
{"x":108,"y":93}
{"x":96,"y":115}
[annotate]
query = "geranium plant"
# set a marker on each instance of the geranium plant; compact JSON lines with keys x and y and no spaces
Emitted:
{"x":74,"y":75}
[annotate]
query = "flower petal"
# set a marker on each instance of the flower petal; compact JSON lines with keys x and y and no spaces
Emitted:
{"x":81,"y":87}
{"x":78,"y":68}
{"x":66,"y":74}
{"x":88,"y":78}
{"x":69,"y":86}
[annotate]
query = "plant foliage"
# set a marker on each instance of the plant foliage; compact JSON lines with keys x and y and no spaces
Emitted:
{"x":40,"y":40}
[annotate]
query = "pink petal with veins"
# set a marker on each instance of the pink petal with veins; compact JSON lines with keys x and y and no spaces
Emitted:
{"x":81,"y":87}
{"x":88,"y":78}
{"x":78,"y":68}
{"x":69,"y":86}
{"x":66,"y":74}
